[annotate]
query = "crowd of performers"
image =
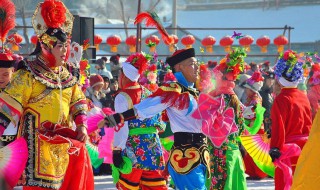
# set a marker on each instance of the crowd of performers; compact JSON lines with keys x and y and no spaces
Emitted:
{"x":177,"y":122}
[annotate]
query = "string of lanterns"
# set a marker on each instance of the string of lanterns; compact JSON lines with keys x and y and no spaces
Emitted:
{"x":188,"y":40}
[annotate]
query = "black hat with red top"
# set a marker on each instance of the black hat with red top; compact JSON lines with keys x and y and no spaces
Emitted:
{"x":180,"y":55}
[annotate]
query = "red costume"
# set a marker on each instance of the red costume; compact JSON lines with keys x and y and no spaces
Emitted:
{"x":291,"y":123}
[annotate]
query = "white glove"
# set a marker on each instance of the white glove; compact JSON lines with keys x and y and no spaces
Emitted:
{"x":249,"y":112}
{"x":75,"y":56}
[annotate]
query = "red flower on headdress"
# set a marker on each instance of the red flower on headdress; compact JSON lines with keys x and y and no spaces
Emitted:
{"x":53,"y":13}
{"x":139,"y":61}
{"x":288,"y":54}
{"x":230,"y":72}
{"x":256,"y":77}
{"x":236,"y":71}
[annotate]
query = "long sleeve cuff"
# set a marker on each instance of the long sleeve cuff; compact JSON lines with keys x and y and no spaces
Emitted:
{"x":129,"y":114}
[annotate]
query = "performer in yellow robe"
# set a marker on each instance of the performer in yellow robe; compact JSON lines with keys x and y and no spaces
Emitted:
{"x":307,"y":174}
{"x":36,"y":103}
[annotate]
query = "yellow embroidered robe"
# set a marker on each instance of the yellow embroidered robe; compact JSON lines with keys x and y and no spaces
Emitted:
{"x":33,"y":97}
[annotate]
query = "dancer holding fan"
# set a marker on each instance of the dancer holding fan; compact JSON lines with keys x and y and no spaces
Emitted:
{"x":222,"y":121}
{"x":253,"y":119}
{"x":179,"y":99}
{"x":13,"y":156}
{"x":291,"y":119}
{"x":6,"y":71}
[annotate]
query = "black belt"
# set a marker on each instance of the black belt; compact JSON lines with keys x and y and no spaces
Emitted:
{"x":183,"y":138}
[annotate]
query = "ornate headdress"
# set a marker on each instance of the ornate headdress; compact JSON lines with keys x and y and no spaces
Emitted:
{"x":288,"y":69}
{"x":50,"y":18}
{"x":255,"y":82}
{"x":135,"y":65}
{"x":233,"y":64}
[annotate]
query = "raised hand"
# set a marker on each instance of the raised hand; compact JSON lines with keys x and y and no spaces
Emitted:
{"x":75,"y":56}
{"x":82,"y":134}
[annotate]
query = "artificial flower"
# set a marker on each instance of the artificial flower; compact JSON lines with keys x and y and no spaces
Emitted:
{"x":289,"y":66}
{"x":152,"y":77}
{"x":139,"y":61}
{"x":53,"y":13}
{"x":233,"y":64}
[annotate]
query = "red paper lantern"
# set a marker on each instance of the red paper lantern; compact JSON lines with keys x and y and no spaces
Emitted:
{"x":188,"y":41}
{"x":175,"y":40}
{"x":280,"y":41}
{"x":263,"y":43}
{"x":16,"y":39}
{"x":246,"y":41}
{"x":226,"y":42}
{"x":113,"y":41}
{"x":208,"y":42}
{"x":34,"y":39}
{"x":131,"y":41}
{"x":97,"y":40}
{"x":155,"y":40}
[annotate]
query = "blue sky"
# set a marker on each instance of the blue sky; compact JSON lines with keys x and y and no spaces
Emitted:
{"x":304,"y":19}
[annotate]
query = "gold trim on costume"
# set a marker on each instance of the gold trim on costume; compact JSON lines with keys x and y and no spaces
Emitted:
{"x":11,"y":101}
{"x":48,"y":40}
{"x":40,"y":96}
{"x":128,"y":99}
{"x":183,"y":162}
{"x":7,"y":138}
{"x":46,"y":76}
{"x":193,"y":156}
{"x":173,"y":87}
{"x":47,"y":165}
